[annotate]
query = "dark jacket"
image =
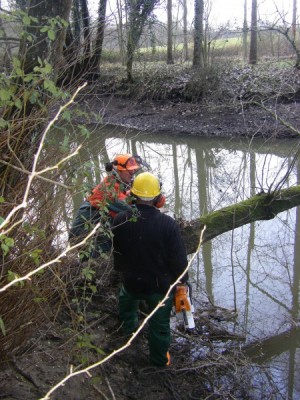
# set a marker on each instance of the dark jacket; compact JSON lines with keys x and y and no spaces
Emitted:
{"x":148,"y":250}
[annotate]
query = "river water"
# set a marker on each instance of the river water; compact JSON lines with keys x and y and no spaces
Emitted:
{"x":254,"y":269}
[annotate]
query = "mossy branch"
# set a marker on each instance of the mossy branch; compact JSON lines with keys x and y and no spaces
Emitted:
{"x":263,"y":206}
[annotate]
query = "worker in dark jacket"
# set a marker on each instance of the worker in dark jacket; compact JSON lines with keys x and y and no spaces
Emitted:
{"x":150,"y":254}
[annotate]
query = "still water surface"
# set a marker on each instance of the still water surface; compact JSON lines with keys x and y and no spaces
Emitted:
{"x":254,"y":269}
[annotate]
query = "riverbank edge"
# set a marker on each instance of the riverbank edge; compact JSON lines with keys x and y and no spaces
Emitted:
{"x":206,"y":120}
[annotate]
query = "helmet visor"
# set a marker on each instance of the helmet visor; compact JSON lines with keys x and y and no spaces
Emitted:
{"x":132,"y":163}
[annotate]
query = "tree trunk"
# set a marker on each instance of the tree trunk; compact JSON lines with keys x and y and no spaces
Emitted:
{"x":87,"y":67}
{"x":73,"y":42}
{"x":170,"y":34}
{"x":6,"y":63}
{"x":138,"y":13}
{"x":86,"y":28}
{"x":42,"y":46}
{"x":119,"y":24}
{"x":198,"y":34}
{"x":264,"y":206}
{"x":263,"y":350}
{"x":245,"y":32}
{"x":294,"y":20}
{"x":185,"y":32}
{"x":253,"y":36}
{"x":100,"y":34}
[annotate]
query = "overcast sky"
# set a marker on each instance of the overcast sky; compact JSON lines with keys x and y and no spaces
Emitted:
{"x":234,"y":9}
{"x":222,"y":11}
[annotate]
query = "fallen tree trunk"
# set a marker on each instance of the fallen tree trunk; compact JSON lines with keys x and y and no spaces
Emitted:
{"x":263,"y":350}
{"x":263,"y":206}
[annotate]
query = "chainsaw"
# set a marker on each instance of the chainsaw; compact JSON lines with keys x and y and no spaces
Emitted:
{"x":183,"y":305}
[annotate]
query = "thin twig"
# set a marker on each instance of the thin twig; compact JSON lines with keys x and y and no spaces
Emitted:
{"x":34,"y":173}
{"x":38,"y":176}
{"x":69,"y":248}
{"x":276,"y":116}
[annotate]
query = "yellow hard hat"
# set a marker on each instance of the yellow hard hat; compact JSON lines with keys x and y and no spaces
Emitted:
{"x":146,"y":186}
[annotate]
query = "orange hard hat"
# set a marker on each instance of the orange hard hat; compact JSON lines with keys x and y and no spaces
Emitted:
{"x":125,"y":162}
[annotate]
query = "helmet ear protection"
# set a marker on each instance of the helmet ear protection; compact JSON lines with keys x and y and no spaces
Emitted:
{"x":109,"y":165}
{"x":160,"y":201}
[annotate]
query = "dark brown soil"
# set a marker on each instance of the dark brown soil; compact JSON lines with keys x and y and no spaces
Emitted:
{"x":176,"y":117}
{"x":71,"y":343}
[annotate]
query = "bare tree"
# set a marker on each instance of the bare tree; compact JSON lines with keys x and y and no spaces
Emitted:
{"x":170,"y":59}
{"x":198,"y":34}
{"x":119,"y":24}
{"x":245,"y":31}
{"x":100,"y":34}
{"x":185,"y":31}
{"x":253,"y":35}
{"x":294,"y":20}
{"x":138,"y":13}
{"x":288,"y":30}
{"x":86,"y":27}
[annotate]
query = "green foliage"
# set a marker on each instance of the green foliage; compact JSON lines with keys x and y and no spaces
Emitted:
{"x":20,"y":90}
{"x":39,"y":300}
{"x":34,"y":231}
{"x":36,"y":256}
{"x":64,"y":147}
{"x":2,"y":200}
{"x":28,"y":89}
{"x":27,"y":20}
{"x":11,"y":276}
{"x":4,"y":124}
{"x":53,"y":24}
{"x":86,"y":345}
{"x":110,"y":56}
{"x":7,"y":244}
{"x":88,"y":273}
{"x":2,"y":327}
{"x":84,"y":131}
{"x":85,"y":341}
{"x":135,"y":213}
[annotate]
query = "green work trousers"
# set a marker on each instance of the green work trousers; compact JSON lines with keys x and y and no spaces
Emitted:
{"x":159,"y":335}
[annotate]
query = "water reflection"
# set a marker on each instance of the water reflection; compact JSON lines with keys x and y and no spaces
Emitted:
{"x":253,"y":269}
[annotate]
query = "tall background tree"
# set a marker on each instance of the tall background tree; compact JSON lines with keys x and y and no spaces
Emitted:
{"x":253,"y":34}
{"x":198,"y":34}
{"x":170,"y":59}
{"x":185,"y":31}
{"x":245,"y":32}
{"x":101,"y":21}
{"x":294,"y":20}
{"x":138,"y":12}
